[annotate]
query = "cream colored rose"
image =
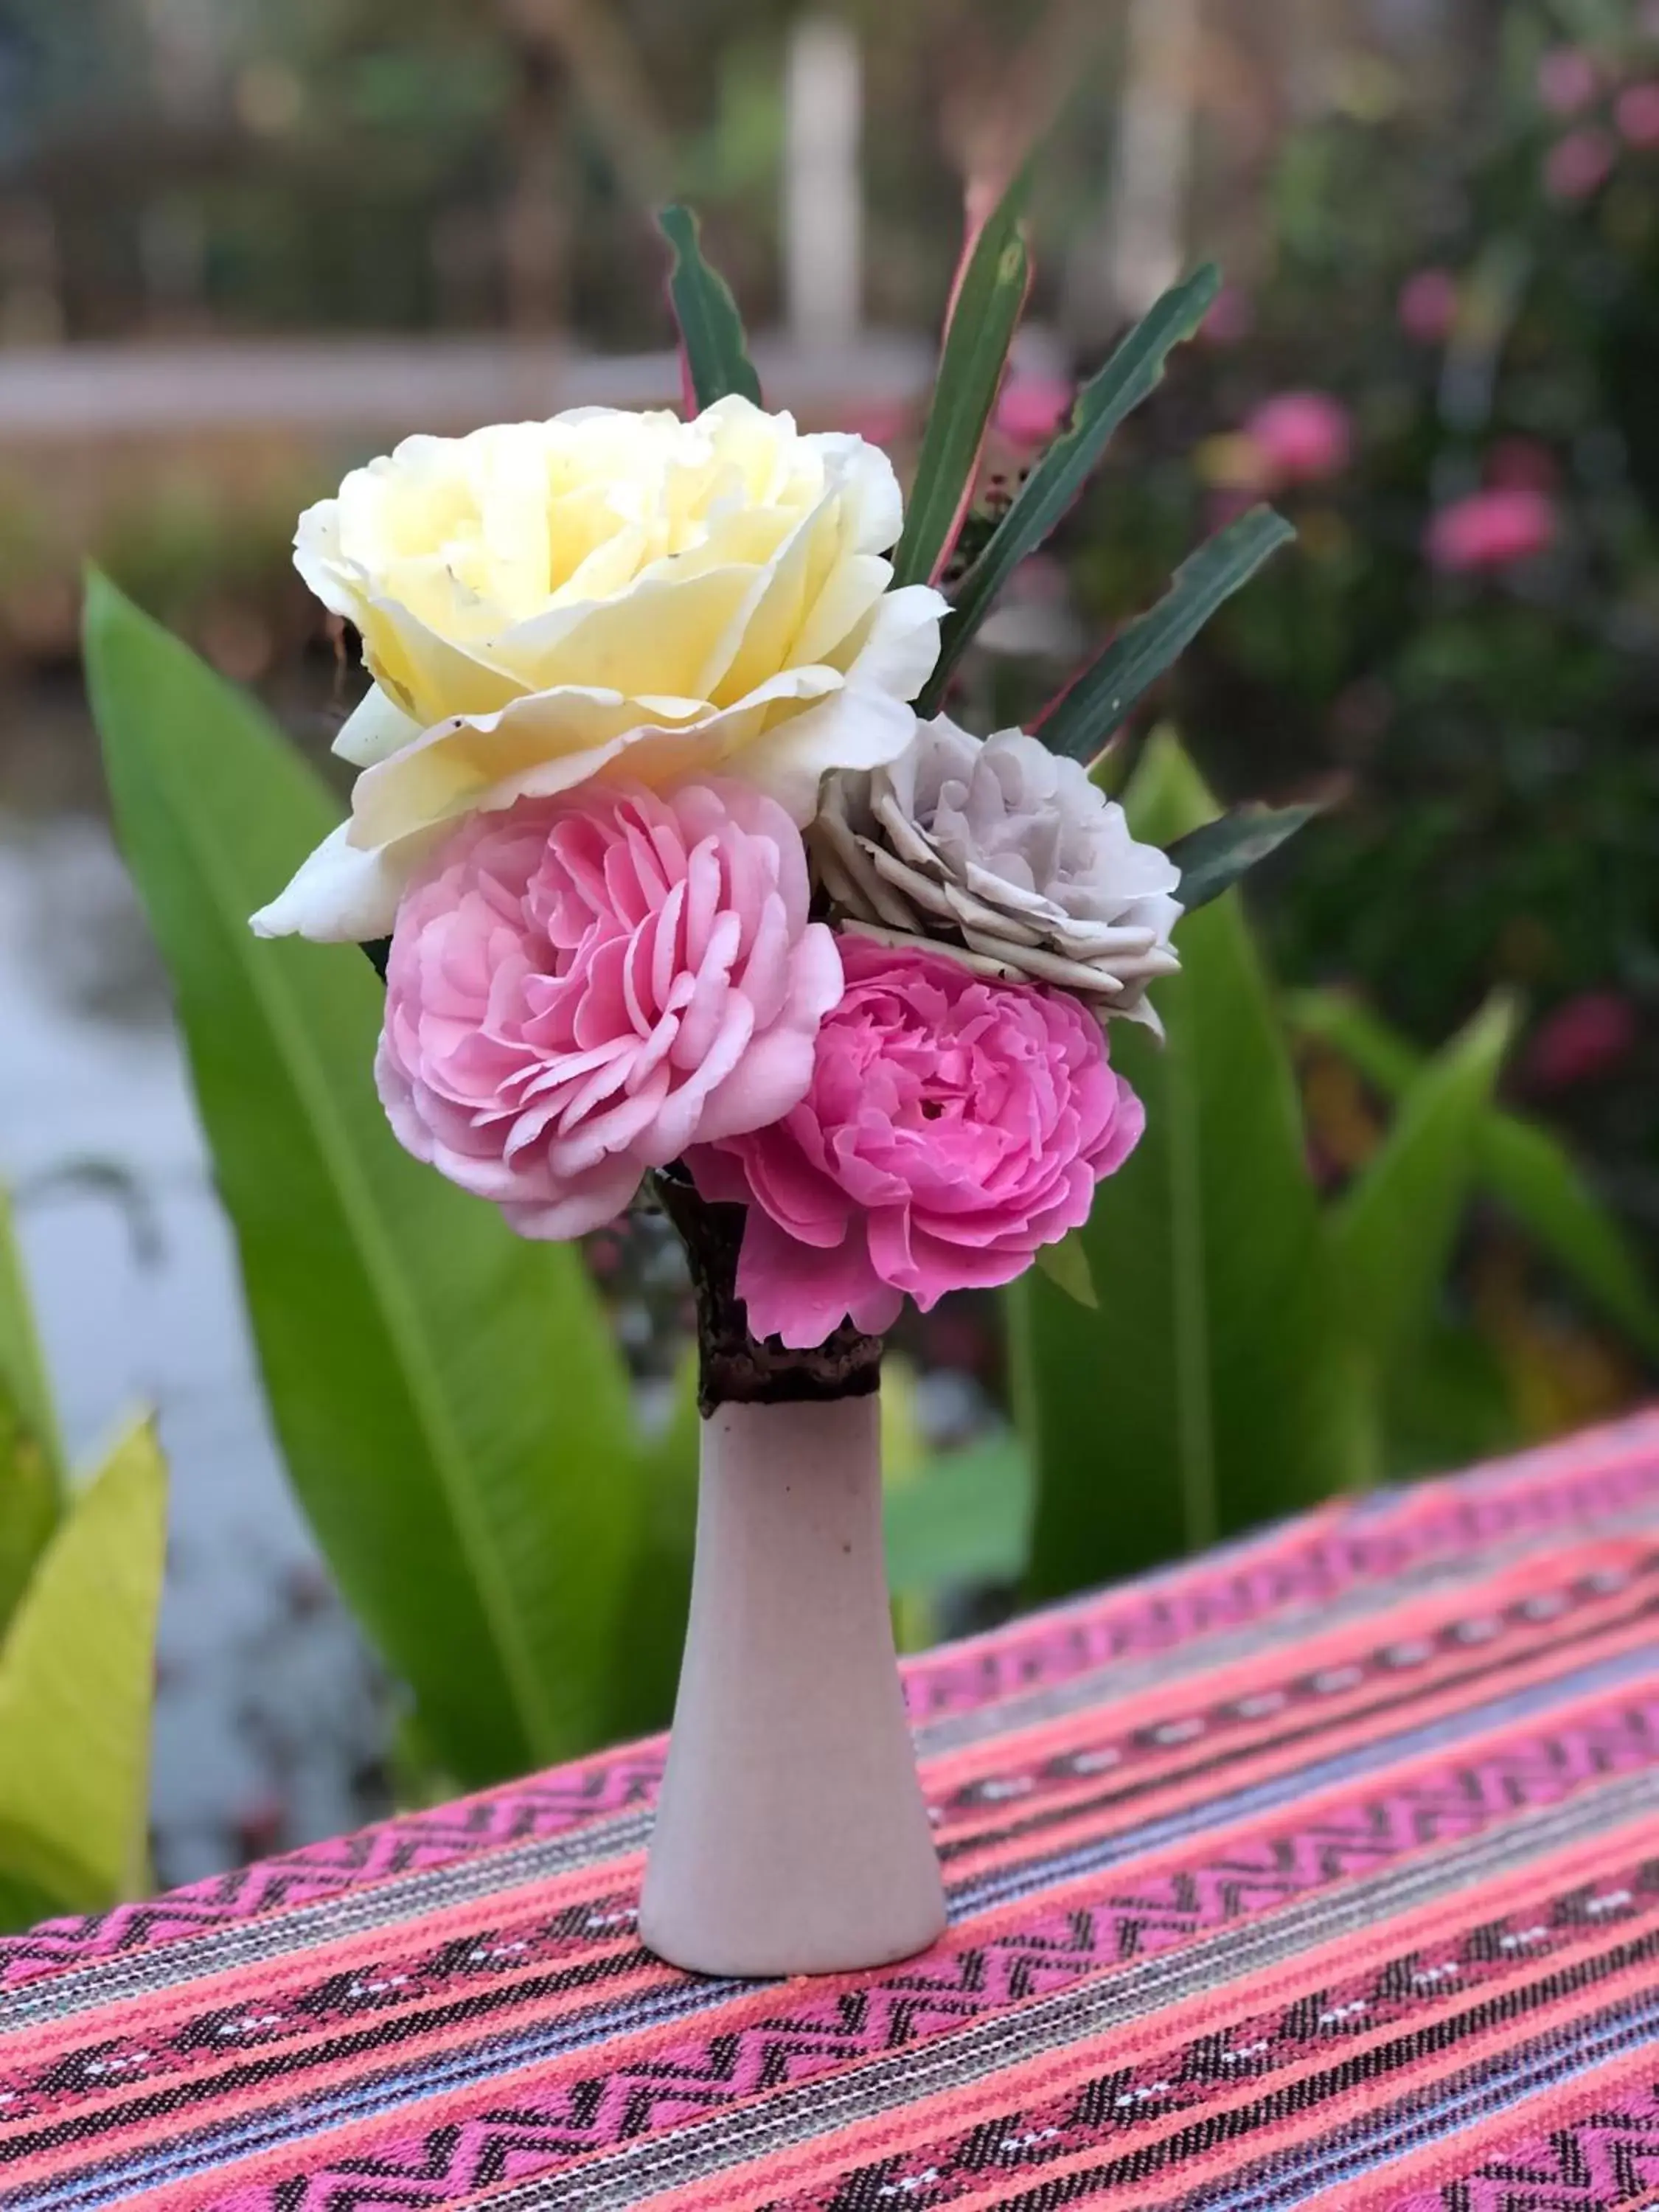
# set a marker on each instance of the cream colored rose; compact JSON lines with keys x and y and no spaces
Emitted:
{"x":605,"y":594}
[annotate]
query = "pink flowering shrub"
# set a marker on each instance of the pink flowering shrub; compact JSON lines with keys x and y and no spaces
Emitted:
{"x":1301,"y":437}
{"x":1491,"y":529}
{"x":580,"y":988}
{"x":952,"y":1128}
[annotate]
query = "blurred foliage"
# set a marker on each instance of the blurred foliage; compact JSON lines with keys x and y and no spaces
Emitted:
{"x":370,"y":164}
{"x":1486,"y":317}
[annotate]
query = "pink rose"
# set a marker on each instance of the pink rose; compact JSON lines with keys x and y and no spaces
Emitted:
{"x":1428,"y":306}
{"x":581,"y":986}
{"x":1491,"y":529}
{"x":1303,"y":437}
{"x":953,"y":1125}
{"x":1638,"y":115}
{"x":1578,"y":165}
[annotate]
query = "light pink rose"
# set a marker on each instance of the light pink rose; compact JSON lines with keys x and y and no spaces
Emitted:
{"x":580,"y":987}
{"x":1638,"y":115}
{"x":1303,"y":437}
{"x":1491,"y":529}
{"x":1568,"y":80}
{"x":953,"y":1127}
{"x":1428,"y":306}
{"x":1578,"y":165}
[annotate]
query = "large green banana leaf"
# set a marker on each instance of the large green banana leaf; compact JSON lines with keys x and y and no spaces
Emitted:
{"x":1202,"y":1395}
{"x":453,"y":1411}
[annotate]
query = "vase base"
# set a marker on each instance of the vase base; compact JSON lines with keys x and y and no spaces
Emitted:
{"x":747,"y":1954}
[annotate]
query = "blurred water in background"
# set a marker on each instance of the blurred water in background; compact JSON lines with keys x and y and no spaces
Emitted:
{"x":270,"y":1717}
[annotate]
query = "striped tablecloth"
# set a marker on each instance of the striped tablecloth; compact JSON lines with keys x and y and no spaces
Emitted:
{"x":1324,"y":1870}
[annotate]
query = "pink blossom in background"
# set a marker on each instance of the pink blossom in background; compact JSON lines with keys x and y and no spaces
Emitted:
{"x":1427,"y":306}
{"x":879,"y":422}
{"x":1568,"y":80}
{"x":1584,"y":1039}
{"x":1303,"y":437}
{"x":1578,"y":165}
{"x":1638,"y":115}
{"x":581,"y":986}
{"x":953,"y":1127}
{"x":1231,"y":317}
{"x":1032,"y":408}
{"x":1226,"y":504}
{"x":1526,"y":464}
{"x":1491,"y":529}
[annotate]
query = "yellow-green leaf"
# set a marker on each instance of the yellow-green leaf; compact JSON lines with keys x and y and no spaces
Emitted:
{"x":77,"y":1686}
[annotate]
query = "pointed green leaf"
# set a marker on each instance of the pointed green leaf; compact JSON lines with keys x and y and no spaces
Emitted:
{"x":1066,"y":1266}
{"x":23,"y":1378}
{"x":985,"y":313}
{"x":1212,"y":858}
{"x":1393,"y":1232}
{"x":1085,"y":716}
{"x":453,"y":1410}
{"x":76,"y":1685}
{"x":1521,"y":1165}
{"x":1199,"y":1400}
{"x":1110,"y":396}
{"x":717,"y":360}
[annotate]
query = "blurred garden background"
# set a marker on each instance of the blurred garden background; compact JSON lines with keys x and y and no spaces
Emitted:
{"x":244,"y":244}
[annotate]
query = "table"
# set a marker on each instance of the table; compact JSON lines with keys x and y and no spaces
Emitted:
{"x":1322,"y":1870}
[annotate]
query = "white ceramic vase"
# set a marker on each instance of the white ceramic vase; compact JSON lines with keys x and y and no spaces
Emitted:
{"x":791,"y":1836}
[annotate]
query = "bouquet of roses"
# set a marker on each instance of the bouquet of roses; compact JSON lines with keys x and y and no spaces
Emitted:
{"x":687,"y":880}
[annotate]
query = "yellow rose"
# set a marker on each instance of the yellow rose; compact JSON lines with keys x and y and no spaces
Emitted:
{"x":605,"y":594}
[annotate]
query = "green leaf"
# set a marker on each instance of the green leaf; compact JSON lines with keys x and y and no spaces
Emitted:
{"x":963,"y":1519}
{"x":23,"y":1378}
{"x":76,"y":1684}
{"x":29,"y":1507}
{"x":1201,"y":1397}
{"x":717,"y":360}
{"x":1517,"y":1162}
{"x":1066,"y":1266}
{"x":452,"y":1408}
{"x":1213,"y":858}
{"x":984,"y":314}
{"x":1110,"y":396}
{"x":645,"y":1666}
{"x":1393,"y":1231}
{"x":1085,"y":716}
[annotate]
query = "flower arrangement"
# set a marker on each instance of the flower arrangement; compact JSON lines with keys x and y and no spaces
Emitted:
{"x":686,"y":890}
{"x":685,"y":885}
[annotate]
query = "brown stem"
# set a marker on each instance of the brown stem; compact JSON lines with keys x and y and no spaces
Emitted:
{"x":734,"y":1368}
